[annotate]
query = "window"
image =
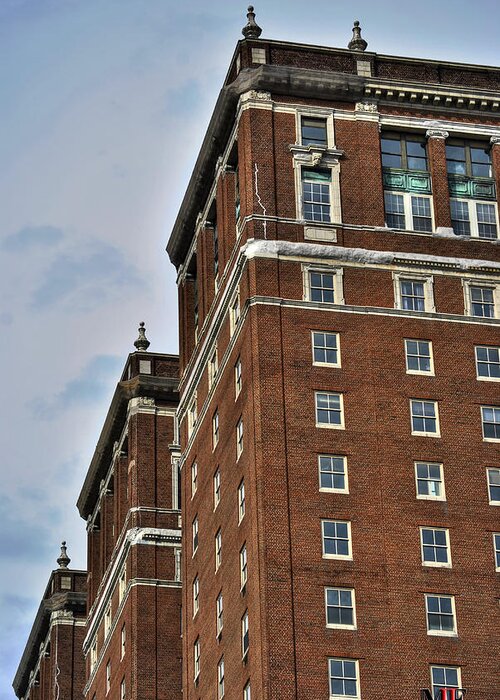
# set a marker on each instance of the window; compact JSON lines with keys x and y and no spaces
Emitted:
{"x":245,"y":641}
{"x":339,"y":603}
{"x":246,"y":692}
{"x":192,"y":415}
{"x":445,"y":677}
{"x":322,"y":286}
{"x":316,"y":198}
{"x":123,"y":690}
{"x":413,"y":293}
{"x":107,"y":620}
{"x":424,"y":418}
{"x":313,"y":131}
{"x":241,"y":501}
{"x":93,"y":655}
{"x":493,"y":476}
{"x":215,"y":429}
{"x":326,"y":349}
{"x":237,"y":378}
{"x":234,"y":313}
{"x":243,"y":567}
{"x":195,"y":534}
{"x":343,"y":675}
{"x":218,"y":549}
{"x":336,"y":536}
{"x":122,"y":583}
{"x":216,"y":488}
{"x":196,"y":658}
{"x":406,"y":211}
{"x":435,"y":546}
{"x":123,"y":641}
{"x":440,"y":611}
{"x":212,"y":368}
{"x":219,"y":614}
{"x":491,"y":423}
{"x":194,"y":478}
{"x":329,"y":410}
{"x":332,"y":473}
{"x":403,"y":151}
{"x":488,"y":362}
{"x":216,"y":248}
{"x":419,"y":357}
{"x":430,"y":481}
{"x":239,"y":438}
{"x":196,"y":595}
{"x":468,"y":158}
{"x":481,"y":301}
{"x":472,"y":218}
{"x":108,"y":676}
{"x":496,"y":549}
{"x":220,"y":679}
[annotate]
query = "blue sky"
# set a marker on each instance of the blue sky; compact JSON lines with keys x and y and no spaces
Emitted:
{"x":103,"y":106}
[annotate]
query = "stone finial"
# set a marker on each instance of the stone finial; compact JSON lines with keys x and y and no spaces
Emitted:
{"x":251,"y":30}
{"x":142,"y":343}
{"x":357,"y":42}
{"x":63,"y":559}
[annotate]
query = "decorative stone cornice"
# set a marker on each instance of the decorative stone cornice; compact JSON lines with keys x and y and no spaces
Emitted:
{"x":495,"y":140}
{"x":314,"y":155}
{"x":369,"y":106}
{"x":436,"y":134}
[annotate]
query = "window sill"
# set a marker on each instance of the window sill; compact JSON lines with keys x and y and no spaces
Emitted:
{"x":488,"y":439}
{"x":488,"y":379}
{"x":431,"y":435}
{"x":338,"y":557}
{"x":439,"y":499}
{"x":330,"y":426}
{"x":326,"y":490}
{"x":420,"y":373}
{"x":436,"y":565}
{"x":341,"y":627}
{"x":438,"y":633}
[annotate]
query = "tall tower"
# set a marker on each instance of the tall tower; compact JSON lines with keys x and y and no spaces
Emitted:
{"x":339,"y":294}
{"x":130,"y":502}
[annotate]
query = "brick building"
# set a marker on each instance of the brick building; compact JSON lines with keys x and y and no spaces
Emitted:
{"x":339,"y":299}
{"x":52,"y":664}
{"x":130,"y":502}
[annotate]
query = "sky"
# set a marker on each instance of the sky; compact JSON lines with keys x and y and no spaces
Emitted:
{"x":103,"y":107}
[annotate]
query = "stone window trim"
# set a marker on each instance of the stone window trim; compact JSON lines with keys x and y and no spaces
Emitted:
{"x":317,"y":158}
{"x":338,"y":281}
{"x":428,"y":282}
{"x":487,"y":284}
{"x":315,"y":113}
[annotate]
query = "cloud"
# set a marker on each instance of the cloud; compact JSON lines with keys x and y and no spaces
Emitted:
{"x":84,"y":278}
{"x":91,"y":387}
{"x":32,"y":237}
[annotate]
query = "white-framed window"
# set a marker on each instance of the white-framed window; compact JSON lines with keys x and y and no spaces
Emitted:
{"x":336,"y":539}
{"x":413,"y":293}
{"x":216,"y":488}
{"x":329,"y":410}
{"x":246,"y":692}
{"x":440,"y":614}
{"x":333,"y":473}
{"x":325,"y":348}
{"x":241,"y":501}
{"x":215,"y":429}
{"x":482,"y":299}
{"x":493,"y":478}
{"x":239,"y":438}
{"x":220,"y":679}
{"x":323,"y":285}
{"x":93,"y":655}
{"x":213,"y":365}
{"x":472,"y":218}
{"x":245,"y":638}
{"x":419,"y":357}
{"x":429,"y":480}
{"x":316,"y":194}
{"x":192,"y":415}
{"x":408,"y":212}
{"x":196,"y":659}
{"x":107,"y":620}
{"x":237,"y":378}
{"x":340,"y":607}
{"x":243,"y":567}
{"x":218,"y":549}
{"x":313,"y":130}
{"x":108,"y":677}
{"x":194,"y":478}
{"x":123,"y":640}
{"x":234,"y":312}
{"x":435,"y":546}
{"x":195,"y":538}
{"x":123,"y":690}
{"x":496,"y":550}
{"x":490,"y":419}
{"x":196,"y":595}
{"x":219,"y":614}
{"x":488,"y":362}
{"x":424,"y":418}
{"x":122,"y":584}
{"x":344,"y":678}
{"x":445,"y":677}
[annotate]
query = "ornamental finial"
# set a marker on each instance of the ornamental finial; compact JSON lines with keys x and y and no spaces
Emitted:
{"x":142,"y":343}
{"x":63,"y":559}
{"x":251,"y":30}
{"x":357,"y":42}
